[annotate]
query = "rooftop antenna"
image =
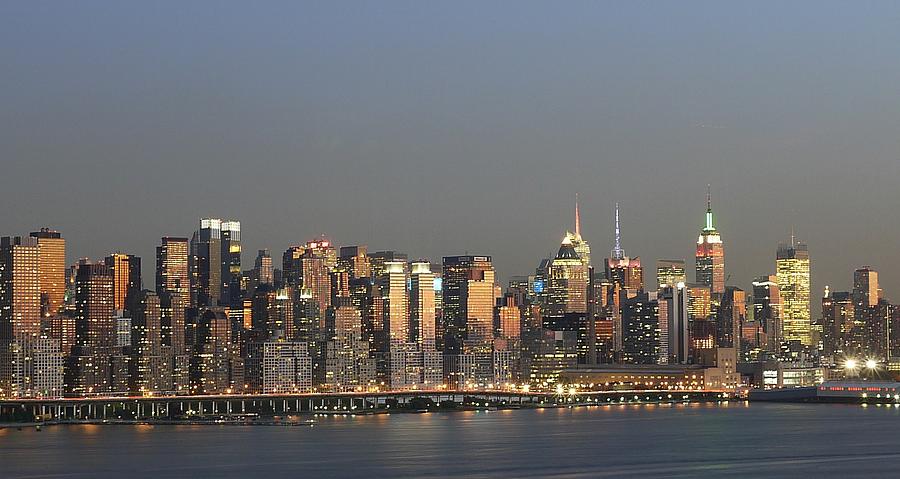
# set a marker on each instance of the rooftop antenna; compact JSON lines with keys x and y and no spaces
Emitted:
{"x":617,"y":252}
{"x":577,"y":218}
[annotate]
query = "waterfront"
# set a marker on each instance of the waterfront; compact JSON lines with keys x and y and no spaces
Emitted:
{"x":614,"y":441}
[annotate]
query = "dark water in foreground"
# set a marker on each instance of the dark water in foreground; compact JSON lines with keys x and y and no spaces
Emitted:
{"x":737,"y":439}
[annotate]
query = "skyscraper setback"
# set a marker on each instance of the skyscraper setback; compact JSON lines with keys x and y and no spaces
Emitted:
{"x":710,"y":254}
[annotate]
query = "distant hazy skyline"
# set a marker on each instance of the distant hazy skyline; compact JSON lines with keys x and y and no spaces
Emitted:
{"x":436,"y":129}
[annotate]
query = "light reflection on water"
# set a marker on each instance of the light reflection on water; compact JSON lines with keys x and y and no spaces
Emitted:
{"x":668,"y":440}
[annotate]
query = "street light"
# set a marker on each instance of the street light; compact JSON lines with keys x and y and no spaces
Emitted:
{"x":850,"y":364}
{"x":871,"y":364}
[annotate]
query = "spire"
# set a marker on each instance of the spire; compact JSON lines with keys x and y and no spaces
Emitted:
{"x":618,"y":252}
{"x":577,"y":218}
{"x":710,"y":226}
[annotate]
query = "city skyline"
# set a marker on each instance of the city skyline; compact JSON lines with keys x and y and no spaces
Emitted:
{"x":575,"y":223}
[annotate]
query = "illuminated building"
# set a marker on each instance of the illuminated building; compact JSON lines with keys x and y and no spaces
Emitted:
{"x":582,"y":248}
{"x":379,"y":260}
{"x":468,"y":302}
{"x":546,"y":358}
{"x":622,"y":271}
{"x":231,"y":263}
{"x":510,"y":318}
{"x":213,"y":356}
{"x":264,"y":271}
{"x":392,"y":287}
{"x":20,"y":313}
{"x":710,"y":254}
{"x":640,"y":328}
{"x":307,"y":267}
{"x":52,"y":269}
{"x":674,"y":325}
{"x":792,"y":266}
{"x":150,"y":372}
{"x":767,"y":310}
{"x":421,"y":305}
{"x":172,"y":267}
{"x":95,"y":328}
{"x":568,"y":281}
{"x":669,"y":272}
{"x":20,"y":289}
{"x":655,"y":377}
{"x":348,"y":366}
{"x":216,"y":248}
{"x":870,"y":329}
{"x":127,"y":284}
{"x":355,"y":260}
{"x":730,"y":315}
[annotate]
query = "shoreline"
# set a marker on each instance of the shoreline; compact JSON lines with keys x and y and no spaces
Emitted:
{"x":309,"y":419}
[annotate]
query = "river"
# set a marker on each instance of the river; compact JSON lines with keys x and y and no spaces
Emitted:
{"x":734,"y":439}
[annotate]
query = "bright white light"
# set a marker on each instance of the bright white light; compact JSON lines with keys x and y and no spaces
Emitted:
{"x":871,"y":364}
{"x":850,"y":364}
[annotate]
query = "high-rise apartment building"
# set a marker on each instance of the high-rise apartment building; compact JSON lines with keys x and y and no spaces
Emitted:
{"x":52,"y":272}
{"x":392,"y":287}
{"x":20,"y":312}
{"x":95,"y":330}
{"x":421,"y":305}
{"x":127,"y":283}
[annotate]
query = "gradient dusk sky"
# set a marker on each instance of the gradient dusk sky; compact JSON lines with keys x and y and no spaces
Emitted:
{"x":436,"y":129}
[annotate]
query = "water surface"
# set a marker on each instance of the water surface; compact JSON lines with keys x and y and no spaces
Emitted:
{"x":736,"y":439}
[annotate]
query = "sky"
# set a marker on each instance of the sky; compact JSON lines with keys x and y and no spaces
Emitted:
{"x":443,"y":128}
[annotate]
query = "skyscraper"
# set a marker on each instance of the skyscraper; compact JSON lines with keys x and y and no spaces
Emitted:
{"x":568,"y":280}
{"x":670,"y":272}
{"x":355,"y":260}
{"x":392,"y":288}
{"x":578,"y":243}
{"x":265,"y":272}
{"x":767,"y":310}
{"x":792,"y":266}
{"x":674,"y":325}
{"x":710,"y":254}
{"x":126,"y":270}
{"x":421,"y":305}
{"x":468,"y":302}
{"x":206,"y":247}
{"x":729,"y":317}
{"x":172,"y":267}
{"x":622,"y":271}
{"x":870,"y":321}
{"x":52,"y":273}
{"x":95,"y":327}
{"x":640,"y":328}
{"x":20,"y":312}
{"x":231,"y":263}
